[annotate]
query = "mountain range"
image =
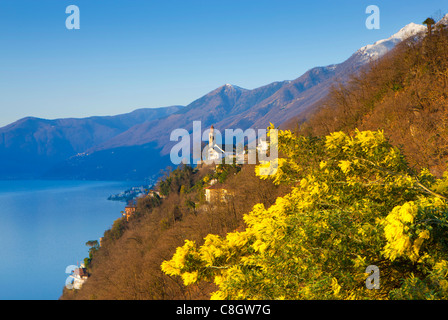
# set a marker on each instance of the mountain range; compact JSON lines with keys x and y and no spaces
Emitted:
{"x":136,"y":145}
{"x":31,"y":147}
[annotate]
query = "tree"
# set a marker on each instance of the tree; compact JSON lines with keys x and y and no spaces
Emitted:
{"x":354,"y":203}
{"x":92,"y":243}
{"x":429,"y":22}
{"x":94,"y":246}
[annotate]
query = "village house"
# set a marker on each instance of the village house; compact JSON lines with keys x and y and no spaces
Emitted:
{"x":79,"y":276}
{"x":129,"y":211}
{"x":215,"y":194}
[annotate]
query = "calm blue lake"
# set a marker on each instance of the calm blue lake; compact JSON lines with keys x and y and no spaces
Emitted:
{"x":44,"y":226}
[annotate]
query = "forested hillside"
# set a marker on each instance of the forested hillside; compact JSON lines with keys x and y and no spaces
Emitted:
{"x":354,"y":204}
{"x":405,"y":94}
{"x":127,"y":265}
{"x":359,"y":183}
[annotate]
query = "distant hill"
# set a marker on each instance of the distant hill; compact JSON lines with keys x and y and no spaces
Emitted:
{"x":31,"y":146}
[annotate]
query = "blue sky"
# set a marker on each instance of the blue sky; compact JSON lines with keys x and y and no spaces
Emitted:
{"x":130,"y":54}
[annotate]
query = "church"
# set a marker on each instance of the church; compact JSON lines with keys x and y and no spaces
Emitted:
{"x":214,"y":151}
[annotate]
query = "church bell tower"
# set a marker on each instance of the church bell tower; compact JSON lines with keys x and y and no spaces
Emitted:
{"x":211,"y":138}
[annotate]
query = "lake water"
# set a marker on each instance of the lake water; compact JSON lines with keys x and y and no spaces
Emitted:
{"x":44,"y":226}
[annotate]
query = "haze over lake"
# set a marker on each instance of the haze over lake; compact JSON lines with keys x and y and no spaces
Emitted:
{"x":44,"y":226}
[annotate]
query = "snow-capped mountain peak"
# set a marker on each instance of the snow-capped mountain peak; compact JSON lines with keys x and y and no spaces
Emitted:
{"x":229,"y":86}
{"x":381,"y":47}
{"x":410,"y":30}
{"x":444,"y":20}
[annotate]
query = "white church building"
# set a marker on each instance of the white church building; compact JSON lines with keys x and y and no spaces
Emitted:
{"x":214,"y":151}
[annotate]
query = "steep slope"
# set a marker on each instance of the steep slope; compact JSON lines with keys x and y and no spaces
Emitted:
{"x":405,"y":95}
